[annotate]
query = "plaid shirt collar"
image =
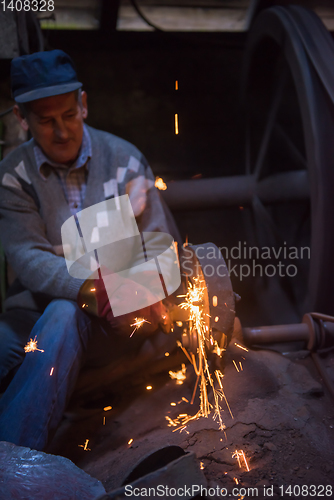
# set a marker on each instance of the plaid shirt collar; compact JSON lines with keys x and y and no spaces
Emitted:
{"x":85,"y":154}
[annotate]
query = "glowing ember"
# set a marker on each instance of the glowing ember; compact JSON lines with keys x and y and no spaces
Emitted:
{"x":160,"y":184}
{"x":148,"y":387}
{"x":107,"y":408}
{"x":85,"y":446}
{"x":215,"y":301}
{"x":240,"y":346}
{"x":138,"y":323}
{"x":179,"y":323}
{"x":93,"y":289}
{"x":235,"y":366}
{"x":176,"y":124}
{"x":240,"y":455}
{"x":216,"y":319}
{"x":173,"y":404}
{"x":32,"y":346}
{"x":180,"y":375}
{"x":166,"y":354}
{"x":51,"y":372}
{"x":130,"y":441}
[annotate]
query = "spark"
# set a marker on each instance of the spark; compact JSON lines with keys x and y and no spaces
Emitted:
{"x":202,"y":466}
{"x":85,"y":446}
{"x":176,"y":124}
{"x":104,"y":420}
{"x":173,"y":404}
{"x":138,"y":324}
{"x":179,"y":323}
{"x":107,"y":408}
{"x":216,"y":319}
{"x":176,"y":85}
{"x":166,"y":354}
{"x":193,"y":303}
{"x":240,"y":346}
{"x":184,"y":399}
{"x":235,"y":366}
{"x":51,"y":372}
{"x":93,"y":289}
{"x":148,"y":387}
{"x":32,"y":346}
{"x":241,"y":366}
{"x":236,"y":480}
{"x":215,"y":301}
{"x":130,"y":441}
{"x":160,"y":184}
{"x":179,"y":376}
{"x":240,"y":454}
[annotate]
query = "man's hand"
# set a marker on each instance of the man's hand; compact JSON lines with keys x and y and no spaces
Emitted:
{"x":93,"y":298}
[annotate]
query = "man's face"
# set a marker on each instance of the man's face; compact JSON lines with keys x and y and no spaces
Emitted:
{"x":56,"y":123}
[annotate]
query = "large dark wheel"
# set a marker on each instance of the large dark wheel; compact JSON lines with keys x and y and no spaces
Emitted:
{"x":288,"y":89}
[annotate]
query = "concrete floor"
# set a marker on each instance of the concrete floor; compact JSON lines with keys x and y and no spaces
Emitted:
{"x":283,"y":421}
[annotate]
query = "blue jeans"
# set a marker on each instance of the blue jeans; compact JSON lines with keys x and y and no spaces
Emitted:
{"x":34,"y":402}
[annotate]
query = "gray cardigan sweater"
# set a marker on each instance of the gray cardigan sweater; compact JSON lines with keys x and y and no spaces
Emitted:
{"x":32,"y":211}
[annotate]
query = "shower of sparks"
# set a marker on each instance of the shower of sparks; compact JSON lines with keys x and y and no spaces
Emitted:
{"x":240,"y":454}
{"x":32,"y":346}
{"x":180,"y":375}
{"x":176,"y":124}
{"x":193,"y":303}
{"x":130,"y":441}
{"x":160,"y":184}
{"x":107,"y":408}
{"x":85,"y":446}
{"x":235,"y":366}
{"x":138,"y":324}
{"x":240,"y":346}
{"x":51,"y":372}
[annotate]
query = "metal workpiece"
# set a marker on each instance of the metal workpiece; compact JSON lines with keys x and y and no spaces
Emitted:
{"x":236,"y":190}
{"x":204,"y":265}
{"x":316,"y":330}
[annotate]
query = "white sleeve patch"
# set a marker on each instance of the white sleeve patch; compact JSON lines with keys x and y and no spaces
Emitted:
{"x":21,"y":170}
{"x":110,"y":188}
{"x":121,"y":171}
{"x":133,"y":164}
{"x":11,"y":181}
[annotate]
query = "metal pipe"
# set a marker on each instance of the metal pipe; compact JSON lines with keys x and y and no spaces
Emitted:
{"x":277,"y":333}
{"x":236,"y":190}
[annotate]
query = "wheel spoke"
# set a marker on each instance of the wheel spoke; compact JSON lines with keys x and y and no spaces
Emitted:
{"x":295,"y":153}
{"x":270,"y":123}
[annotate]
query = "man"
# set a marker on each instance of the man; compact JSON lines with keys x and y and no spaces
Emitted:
{"x":65,"y":168}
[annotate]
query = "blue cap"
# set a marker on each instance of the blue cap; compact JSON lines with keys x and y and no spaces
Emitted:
{"x":42,"y":74}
